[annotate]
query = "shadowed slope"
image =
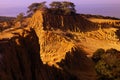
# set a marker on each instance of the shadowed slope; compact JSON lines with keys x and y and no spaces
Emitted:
{"x":20,"y":58}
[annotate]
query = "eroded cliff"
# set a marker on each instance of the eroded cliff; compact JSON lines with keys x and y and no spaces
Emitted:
{"x":45,"y":50}
{"x":57,"y":42}
{"x":20,"y":58}
{"x":89,"y":34}
{"x":54,"y":47}
{"x":60,"y":34}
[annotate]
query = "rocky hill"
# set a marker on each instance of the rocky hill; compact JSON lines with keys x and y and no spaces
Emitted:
{"x":54,"y":47}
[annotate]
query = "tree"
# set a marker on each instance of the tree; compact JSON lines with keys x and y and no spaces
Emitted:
{"x":36,"y":6}
{"x":55,"y":7}
{"x":108,"y":66}
{"x":20,"y":17}
{"x":62,"y":7}
{"x":55,"y":4}
{"x":68,"y":7}
{"x":97,"y":55}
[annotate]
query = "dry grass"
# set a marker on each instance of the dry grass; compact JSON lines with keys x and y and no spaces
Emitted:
{"x":103,"y":20}
{"x":101,"y":38}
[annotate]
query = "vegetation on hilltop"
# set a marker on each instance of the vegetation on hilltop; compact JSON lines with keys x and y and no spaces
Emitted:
{"x":36,"y":6}
{"x":56,"y":7}
{"x":20,"y":17}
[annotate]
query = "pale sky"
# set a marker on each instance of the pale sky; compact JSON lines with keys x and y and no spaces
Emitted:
{"x":13,"y":7}
{"x":16,"y":3}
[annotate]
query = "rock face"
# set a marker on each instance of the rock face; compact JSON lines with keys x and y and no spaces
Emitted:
{"x":45,"y":50}
{"x":56,"y":42}
{"x":20,"y":57}
{"x":67,"y":23}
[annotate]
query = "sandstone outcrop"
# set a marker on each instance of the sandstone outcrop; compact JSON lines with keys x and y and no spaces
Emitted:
{"x":56,"y":41}
{"x":20,"y":58}
{"x":54,"y":47}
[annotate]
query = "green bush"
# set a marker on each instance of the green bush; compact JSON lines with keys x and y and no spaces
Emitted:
{"x":97,"y":55}
{"x":108,"y":64}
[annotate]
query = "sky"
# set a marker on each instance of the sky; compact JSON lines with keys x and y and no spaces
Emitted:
{"x":100,"y":7}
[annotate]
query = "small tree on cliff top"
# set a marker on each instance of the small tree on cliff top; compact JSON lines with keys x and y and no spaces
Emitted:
{"x":56,"y":7}
{"x":63,"y":7}
{"x":68,"y":6}
{"x":36,"y":6}
{"x":20,"y":17}
{"x":55,"y":4}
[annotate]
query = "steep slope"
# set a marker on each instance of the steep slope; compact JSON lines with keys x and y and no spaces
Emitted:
{"x":58,"y":42}
{"x":67,"y":23}
{"x":58,"y":34}
{"x":20,"y":58}
{"x":76,"y":30}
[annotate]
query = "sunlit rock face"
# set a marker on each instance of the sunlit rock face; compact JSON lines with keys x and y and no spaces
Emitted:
{"x":55,"y":47}
{"x":57,"y":42}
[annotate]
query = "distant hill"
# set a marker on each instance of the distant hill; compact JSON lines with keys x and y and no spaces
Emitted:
{"x":99,"y":16}
{"x":5,"y":18}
